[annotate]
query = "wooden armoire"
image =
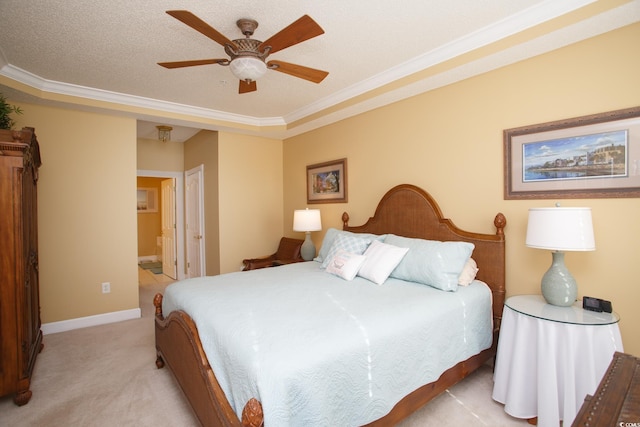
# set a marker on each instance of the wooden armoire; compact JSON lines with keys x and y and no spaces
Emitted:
{"x":20,"y":334}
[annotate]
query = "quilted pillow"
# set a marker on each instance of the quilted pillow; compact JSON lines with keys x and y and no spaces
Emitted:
{"x":381,"y":260}
{"x":345,"y":264}
{"x":348,"y":243}
{"x":331,"y":235}
{"x":433,"y":263}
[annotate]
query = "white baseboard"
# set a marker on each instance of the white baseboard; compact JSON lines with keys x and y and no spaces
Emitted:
{"x":85,"y":322}
{"x":145,"y":258}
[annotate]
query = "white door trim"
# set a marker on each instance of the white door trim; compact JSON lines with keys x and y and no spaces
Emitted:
{"x":179,"y":177}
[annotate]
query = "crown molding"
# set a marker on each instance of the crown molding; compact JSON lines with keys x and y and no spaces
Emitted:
{"x":286,"y":126}
{"x":84,"y":92}
{"x":591,"y":27}
{"x":528,"y":18}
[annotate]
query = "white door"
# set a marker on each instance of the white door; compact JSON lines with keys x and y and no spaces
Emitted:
{"x":194,"y":207}
{"x":168,"y":214}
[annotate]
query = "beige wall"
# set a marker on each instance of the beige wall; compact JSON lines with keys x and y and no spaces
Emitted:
{"x":202,"y":149}
{"x":243,"y":192}
{"x":87,"y":194}
{"x":154,"y":155}
{"x":86,"y":211}
{"x":449,"y":142}
{"x":251,"y":198}
{"x":149,"y":223}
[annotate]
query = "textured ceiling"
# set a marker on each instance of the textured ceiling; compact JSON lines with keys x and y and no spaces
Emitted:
{"x":109,"y":51}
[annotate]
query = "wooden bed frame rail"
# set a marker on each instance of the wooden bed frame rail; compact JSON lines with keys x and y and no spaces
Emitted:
{"x":405,"y":210}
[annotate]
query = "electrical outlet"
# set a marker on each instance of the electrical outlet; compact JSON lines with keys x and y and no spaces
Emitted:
{"x":106,"y":287}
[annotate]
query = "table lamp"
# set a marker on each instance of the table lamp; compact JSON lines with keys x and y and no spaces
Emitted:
{"x":307,"y":220}
{"x":560,"y":229}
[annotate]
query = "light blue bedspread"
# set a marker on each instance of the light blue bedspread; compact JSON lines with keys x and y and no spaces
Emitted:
{"x":317,"y":350}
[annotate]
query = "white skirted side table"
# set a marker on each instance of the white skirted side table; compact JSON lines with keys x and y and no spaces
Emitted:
{"x":549,"y":358}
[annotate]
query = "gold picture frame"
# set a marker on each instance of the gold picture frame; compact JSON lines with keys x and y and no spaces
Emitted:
{"x":327,"y":182}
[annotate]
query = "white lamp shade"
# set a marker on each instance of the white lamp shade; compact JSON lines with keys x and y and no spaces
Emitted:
{"x":248,"y":68}
{"x":560,"y":229}
{"x":307,"y":220}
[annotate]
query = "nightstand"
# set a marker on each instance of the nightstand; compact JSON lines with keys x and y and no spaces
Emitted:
{"x":549,"y":358}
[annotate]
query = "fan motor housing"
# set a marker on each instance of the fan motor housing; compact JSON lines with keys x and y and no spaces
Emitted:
{"x":246,"y":47}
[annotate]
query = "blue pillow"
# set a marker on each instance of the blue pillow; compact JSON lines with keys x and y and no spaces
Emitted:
{"x":330,"y":236}
{"x":348,"y":243}
{"x":430,"y":262}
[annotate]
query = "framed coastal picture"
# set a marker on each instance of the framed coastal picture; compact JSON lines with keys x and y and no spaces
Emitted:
{"x":594,"y":156}
{"x":327,"y":182}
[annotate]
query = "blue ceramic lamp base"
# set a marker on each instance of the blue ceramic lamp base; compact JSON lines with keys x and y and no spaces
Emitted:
{"x":558,"y":285}
{"x":308,"y":249}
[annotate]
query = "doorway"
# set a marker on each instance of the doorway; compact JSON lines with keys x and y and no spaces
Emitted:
{"x":177,"y":246}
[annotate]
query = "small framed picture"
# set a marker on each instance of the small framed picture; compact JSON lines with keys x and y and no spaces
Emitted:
{"x":327,"y":182}
{"x":147,"y":200}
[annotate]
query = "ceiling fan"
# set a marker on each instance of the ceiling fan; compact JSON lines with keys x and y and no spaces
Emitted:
{"x":247,"y":56}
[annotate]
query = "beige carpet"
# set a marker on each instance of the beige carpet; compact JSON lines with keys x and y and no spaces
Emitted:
{"x":106,"y":376}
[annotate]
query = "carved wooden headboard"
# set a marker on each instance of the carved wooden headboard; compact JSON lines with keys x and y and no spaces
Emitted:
{"x":409,"y":211}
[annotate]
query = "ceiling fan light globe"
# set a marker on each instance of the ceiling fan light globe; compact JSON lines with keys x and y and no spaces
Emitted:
{"x":248,"y":68}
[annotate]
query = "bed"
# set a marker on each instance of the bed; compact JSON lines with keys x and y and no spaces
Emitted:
{"x":279,"y":373}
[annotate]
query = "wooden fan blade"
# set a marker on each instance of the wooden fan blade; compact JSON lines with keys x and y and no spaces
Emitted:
{"x":199,"y":25}
{"x":247,"y":87}
{"x":295,"y":70}
{"x":180,"y":64}
{"x":303,"y":29}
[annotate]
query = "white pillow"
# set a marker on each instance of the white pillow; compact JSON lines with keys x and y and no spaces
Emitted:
{"x":348,"y":243}
{"x":469,"y":272}
{"x":345,"y":264}
{"x":381,"y":260}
